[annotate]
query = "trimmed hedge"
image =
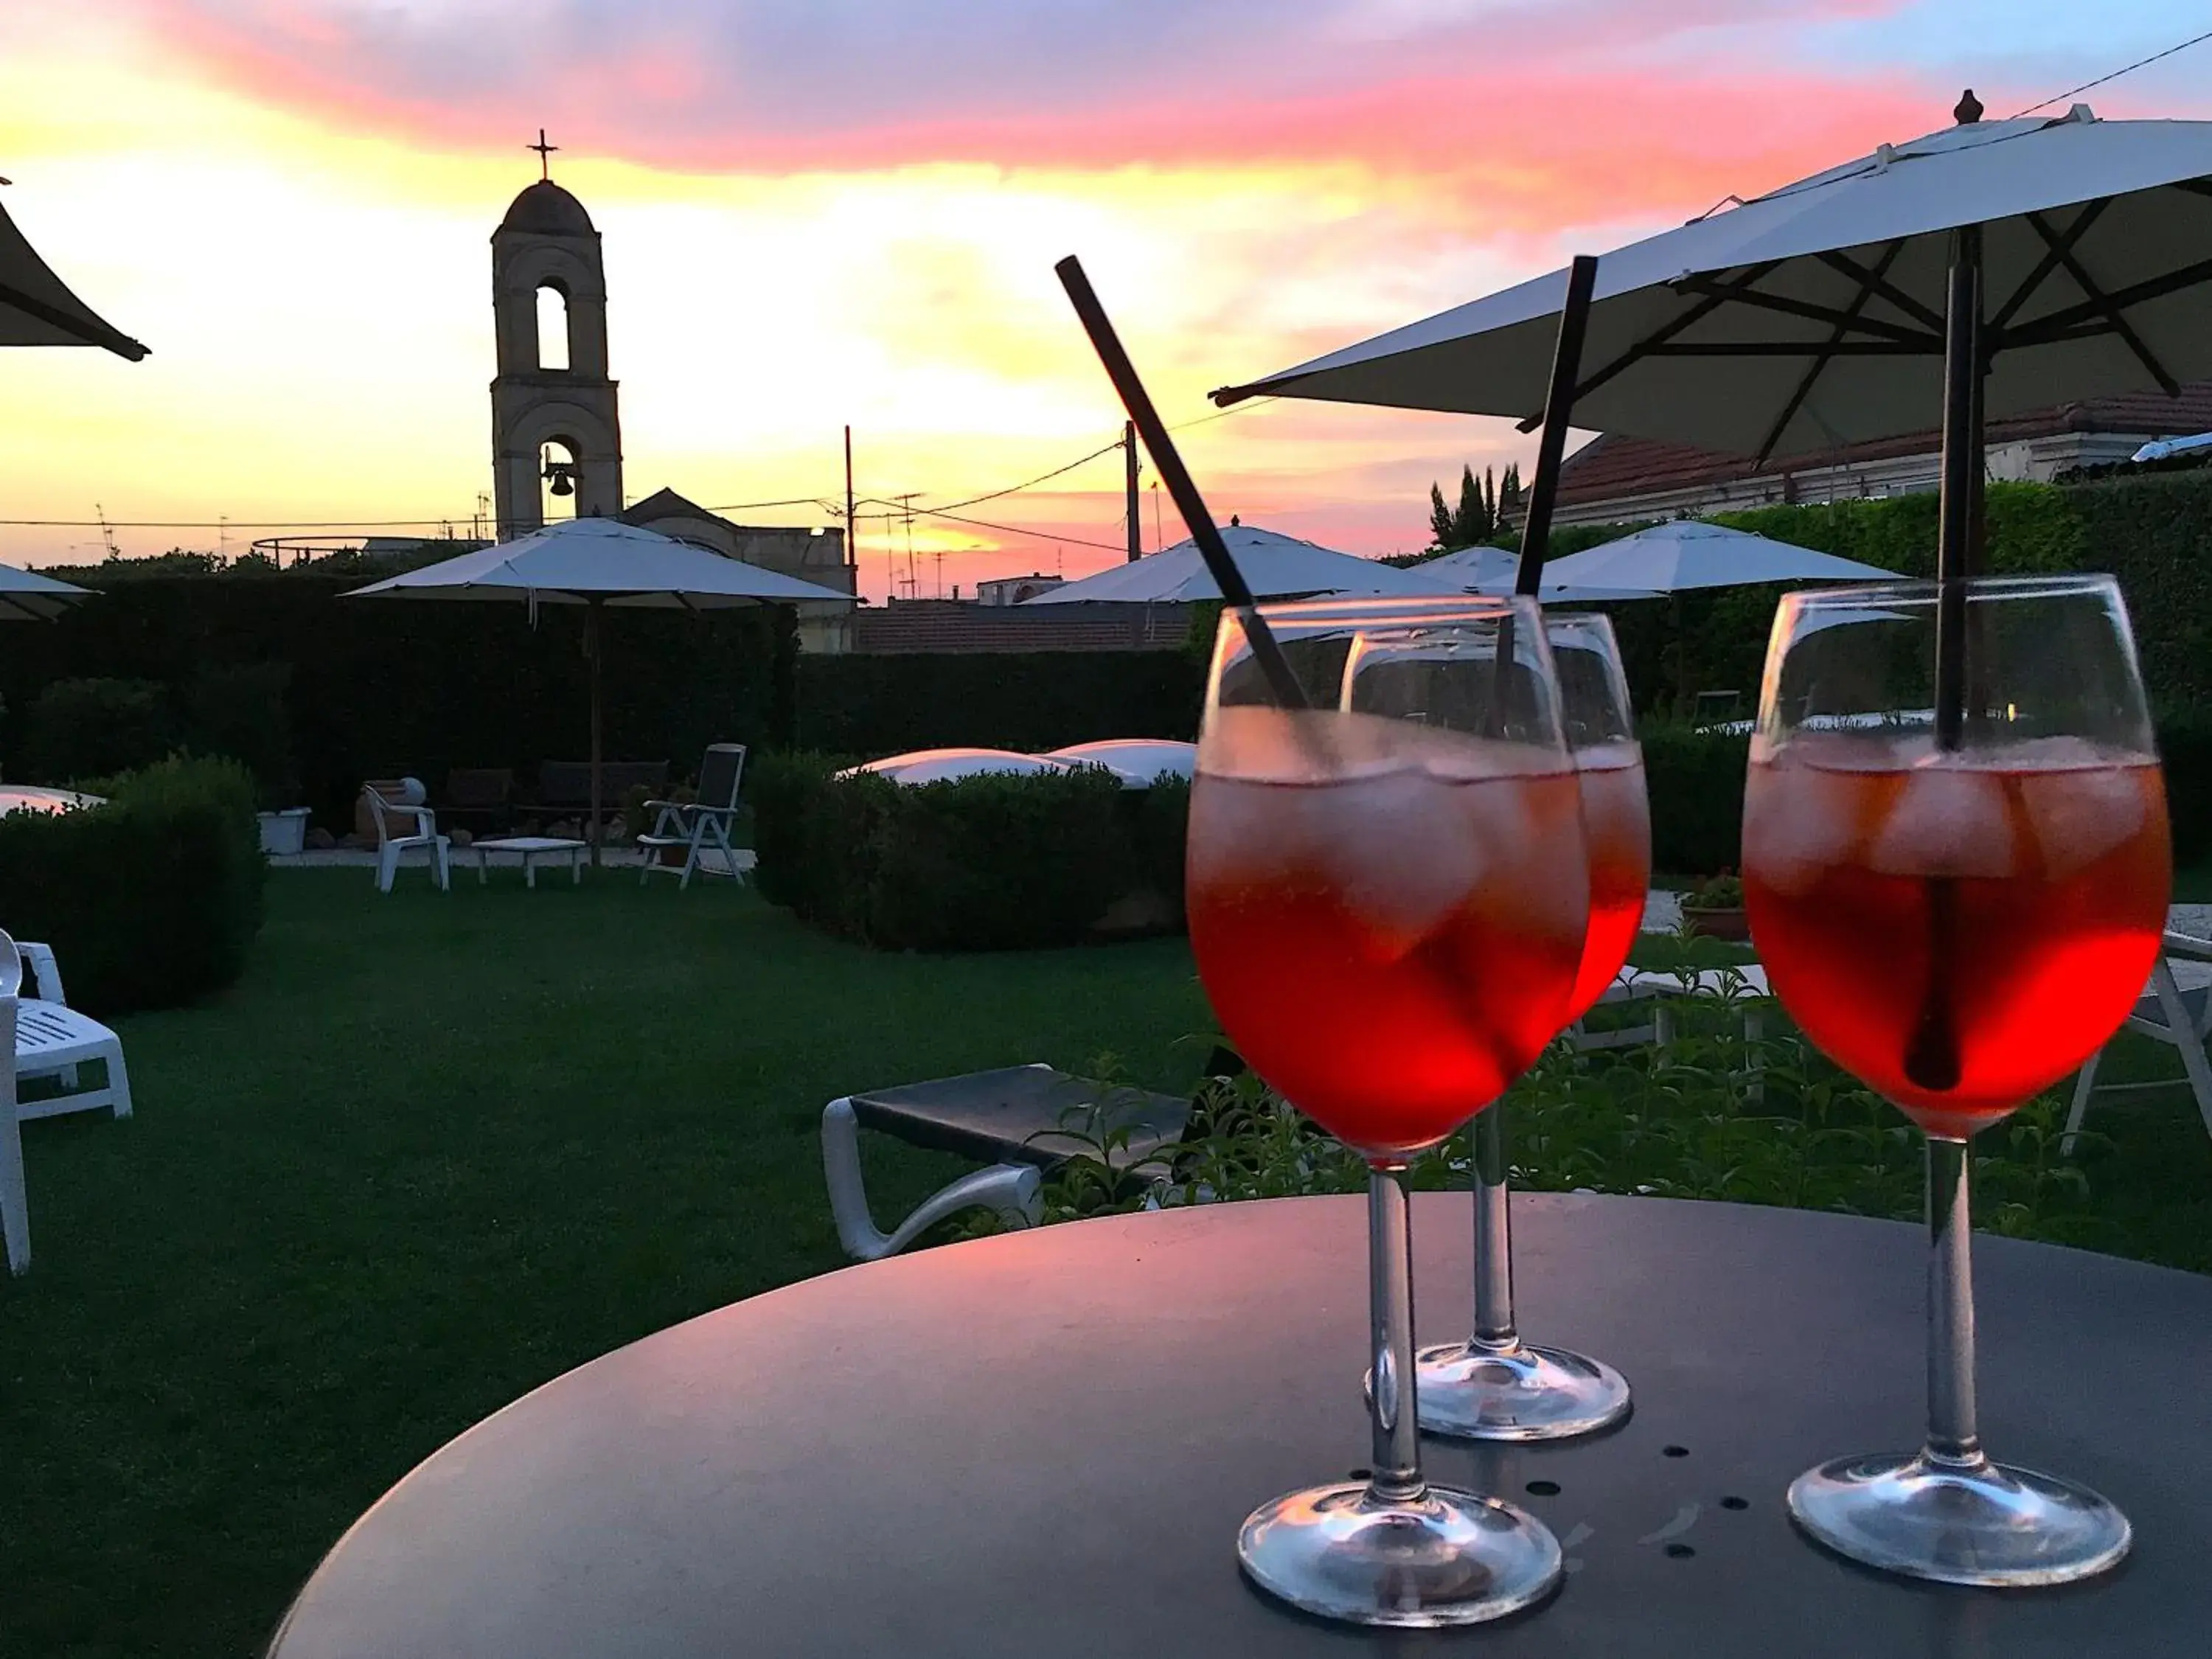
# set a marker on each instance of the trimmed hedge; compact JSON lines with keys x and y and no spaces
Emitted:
{"x":87,"y":728}
{"x":1695,"y":782}
{"x":150,"y":901}
{"x":980,"y":864}
{"x":874,"y":706}
{"x":380,"y":688}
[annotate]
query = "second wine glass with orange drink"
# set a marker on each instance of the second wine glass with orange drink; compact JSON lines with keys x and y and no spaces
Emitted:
{"x":1494,"y":1385}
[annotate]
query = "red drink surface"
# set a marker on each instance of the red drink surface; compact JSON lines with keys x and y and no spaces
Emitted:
{"x":1617,"y":826}
{"x":1388,"y":918}
{"x":2053,"y":864}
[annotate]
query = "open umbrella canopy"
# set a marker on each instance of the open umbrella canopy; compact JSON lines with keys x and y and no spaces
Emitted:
{"x":37,"y":309}
{"x":25,"y":596}
{"x":1669,"y":558}
{"x":604,"y":561}
{"x":1492,"y":570}
{"x":1812,"y":316}
{"x":1275,"y":566}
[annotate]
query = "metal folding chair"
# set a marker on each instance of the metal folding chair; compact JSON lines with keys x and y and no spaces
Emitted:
{"x":696,"y":825}
{"x":2169,"y":1013}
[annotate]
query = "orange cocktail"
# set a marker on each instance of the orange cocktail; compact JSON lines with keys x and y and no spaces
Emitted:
{"x":2041,"y":877}
{"x":1389,"y":918}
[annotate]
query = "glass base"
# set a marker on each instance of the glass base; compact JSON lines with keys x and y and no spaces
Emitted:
{"x":1982,"y":1524}
{"x":1447,"y":1557}
{"x":1472,"y":1392}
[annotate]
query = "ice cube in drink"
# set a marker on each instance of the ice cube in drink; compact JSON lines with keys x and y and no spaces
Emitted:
{"x":1388,"y":918}
{"x":2012,"y":896}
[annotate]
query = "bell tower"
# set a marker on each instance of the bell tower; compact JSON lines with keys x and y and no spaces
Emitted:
{"x":553,"y":413}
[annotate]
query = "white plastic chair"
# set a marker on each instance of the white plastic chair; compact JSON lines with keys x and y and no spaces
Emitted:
{"x":407,"y":801}
{"x":52,"y":1039}
{"x":14,"y":1202}
{"x":693,"y":825}
{"x":2180,"y":1017}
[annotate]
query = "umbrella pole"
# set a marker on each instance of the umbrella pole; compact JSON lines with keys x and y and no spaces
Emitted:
{"x":592,"y":652}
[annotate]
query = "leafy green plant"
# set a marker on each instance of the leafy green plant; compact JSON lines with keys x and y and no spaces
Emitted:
{"x":150,"y":900}
{"x":1721,"y":892}
{"x":1710,"y":1114}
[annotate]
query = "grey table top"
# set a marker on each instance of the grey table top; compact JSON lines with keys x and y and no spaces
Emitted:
{"x":1043,"y":1442}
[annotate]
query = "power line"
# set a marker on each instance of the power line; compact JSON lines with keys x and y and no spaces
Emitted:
{"x":2086,"y":85}
{"x":1042,"y":478}
{"x":1015,"y":530}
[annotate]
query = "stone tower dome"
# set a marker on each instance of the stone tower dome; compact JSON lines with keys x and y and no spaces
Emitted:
{"x":547,"y":241}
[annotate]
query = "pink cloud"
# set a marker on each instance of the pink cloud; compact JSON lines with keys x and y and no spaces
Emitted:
{"x":1514,"y":116}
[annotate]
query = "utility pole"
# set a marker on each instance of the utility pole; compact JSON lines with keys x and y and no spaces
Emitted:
{"x":852,"y":542}
{"x":1129,"y":460}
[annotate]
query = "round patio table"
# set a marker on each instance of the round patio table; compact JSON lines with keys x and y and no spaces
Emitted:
{"x":1043,"y":1442}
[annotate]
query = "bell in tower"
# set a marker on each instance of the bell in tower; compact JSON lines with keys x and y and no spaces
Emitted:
{"x":553,"y":417}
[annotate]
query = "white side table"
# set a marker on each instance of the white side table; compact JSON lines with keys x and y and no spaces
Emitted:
{"x":532,"y":848}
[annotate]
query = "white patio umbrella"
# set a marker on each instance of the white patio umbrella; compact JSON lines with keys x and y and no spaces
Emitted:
{"x":37,"y":309}
{"x":1670,"y":558}
{"x":598,"y":563}
{"x":25,"y":596}
{"x":1492,"y":570}
{"x":1275,"y":566}
{"x":1814,"y":315}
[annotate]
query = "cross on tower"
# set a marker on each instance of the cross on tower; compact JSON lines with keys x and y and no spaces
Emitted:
{"x":543,"y":150}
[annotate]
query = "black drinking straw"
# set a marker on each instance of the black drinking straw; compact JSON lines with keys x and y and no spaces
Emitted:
{"x":1558,"y":408}
{"x":1931,"y":1055}
{"x":1230,"y":581}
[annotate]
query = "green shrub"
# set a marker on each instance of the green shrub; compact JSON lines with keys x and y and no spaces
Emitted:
{"x":242,"y":712}
{"x":388,"y":689}
{"x":82,"y":728}
{"x":979,"y":864}
{"x":2184,"y":744}
{"x":874,"y":706}
{"x":1696,"y":780}
{"x":148,"y":901}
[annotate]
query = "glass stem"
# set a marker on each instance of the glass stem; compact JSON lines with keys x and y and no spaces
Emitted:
{"x":1952,"y":1439}
{"x":1397,"y":1462}
{"x":1493,"y":1235}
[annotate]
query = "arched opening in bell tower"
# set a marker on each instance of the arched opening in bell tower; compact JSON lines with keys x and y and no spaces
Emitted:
{"x":552,"y":327}
{"x":557,"y":478}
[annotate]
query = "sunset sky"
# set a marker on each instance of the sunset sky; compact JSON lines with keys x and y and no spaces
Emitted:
{"x":819,"y":211}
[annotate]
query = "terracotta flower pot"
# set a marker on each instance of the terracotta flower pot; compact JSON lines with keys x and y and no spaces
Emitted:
{"x":1718,"y":921}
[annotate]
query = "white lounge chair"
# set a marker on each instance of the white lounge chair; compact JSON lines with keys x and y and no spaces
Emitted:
{"x":53,"y":1040}
{"x":14,"y":1202}
{"x":403,"y":799}
{"x":2177,"y":1015}
{"x":695,"y":825}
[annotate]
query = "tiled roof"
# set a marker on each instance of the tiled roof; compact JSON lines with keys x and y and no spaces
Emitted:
{"x":962,"y":626}
{"x":1614,"y":465}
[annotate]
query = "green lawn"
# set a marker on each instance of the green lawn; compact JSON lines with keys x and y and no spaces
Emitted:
{"x":434,"y":1150}
{"x":431,"y":1152}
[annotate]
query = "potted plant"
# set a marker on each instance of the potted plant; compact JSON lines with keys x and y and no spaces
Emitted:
{"x":1714,"y":908}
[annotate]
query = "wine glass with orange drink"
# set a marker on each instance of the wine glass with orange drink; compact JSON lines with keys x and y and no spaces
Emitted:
{"x":1957,"y":879}
{"x":1493,"y":1386}
{"x":1387,"y":896}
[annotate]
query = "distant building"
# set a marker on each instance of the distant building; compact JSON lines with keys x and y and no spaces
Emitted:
{"x":1013,"y":590}
{"x":554,"y":419}
{"x":1616,"y":479}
